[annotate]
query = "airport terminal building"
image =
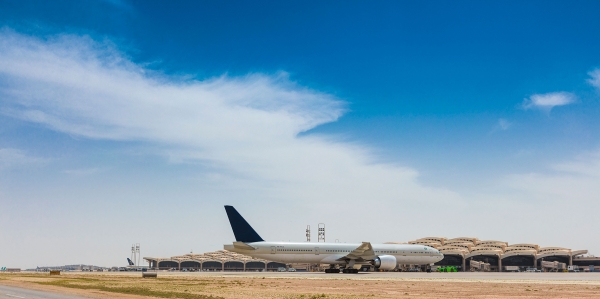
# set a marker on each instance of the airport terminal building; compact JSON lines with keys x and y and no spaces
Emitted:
{"x":499,"y":254}
{"x":221,"y":260}
{"x":457,"y":252}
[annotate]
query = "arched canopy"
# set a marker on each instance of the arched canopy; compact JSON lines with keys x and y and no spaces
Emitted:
{"x":514,"y":252}
{"x":212,"y":265}
{"x":490,"y":258}
{"x":523,"y":260}
{"x":546,"y":249}
{"x":491,"y":242}
{"x":484,"y":252}
{"x":255,"y":265}
{"x":440,"y":240}
{"x":234,"y":266}
{"x":514,"y":248}
{"x":578,"y":252}
{"x":523,"y":245}
{"x":463,"y":239}
{"x":547,"y":254}
{"x":168,"y":264}
{"x":451,"y":260}
{"x":274,"y":265}
{"x":190,"y":264}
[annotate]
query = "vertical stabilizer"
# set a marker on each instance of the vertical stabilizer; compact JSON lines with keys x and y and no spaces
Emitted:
{"x":241,"y":229}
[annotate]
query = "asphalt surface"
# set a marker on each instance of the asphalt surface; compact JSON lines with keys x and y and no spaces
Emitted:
{"x":7,"y":292}
{"x":467,"y":276}
{"x":460,"y":276}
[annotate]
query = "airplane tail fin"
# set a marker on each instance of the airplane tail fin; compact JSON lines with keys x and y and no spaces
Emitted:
{"x":241,"y":229}
{"x":130,"y":262}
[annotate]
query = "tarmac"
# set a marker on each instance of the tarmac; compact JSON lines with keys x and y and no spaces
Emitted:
{"x":587,"y":277}
{"x":7,"y":292}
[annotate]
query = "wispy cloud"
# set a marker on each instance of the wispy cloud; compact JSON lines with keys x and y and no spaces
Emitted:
{"x":504,"y":124}
{"x":246,"y":127}
{"x":571,"y":181}
{"x":547,"y":101}
{"x":82,"y":171}
{"x":595,"y":78}
{"x":11,"y":157}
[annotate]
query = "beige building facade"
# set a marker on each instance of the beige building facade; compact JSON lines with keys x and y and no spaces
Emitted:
{"x":459,"y":251}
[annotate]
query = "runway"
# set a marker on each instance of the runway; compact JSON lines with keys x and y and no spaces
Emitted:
{"x":593,"y":278}
{"x":7,"y":292}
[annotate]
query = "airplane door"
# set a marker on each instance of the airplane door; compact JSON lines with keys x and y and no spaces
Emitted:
{"x":316,"y":250}
{"x":272,"y":249}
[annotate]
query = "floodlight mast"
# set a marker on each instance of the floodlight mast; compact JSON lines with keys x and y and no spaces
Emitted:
{"x":137,"y":251}
{"x":321,"y":232}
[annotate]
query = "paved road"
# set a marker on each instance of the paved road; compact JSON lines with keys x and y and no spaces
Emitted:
{"x":7,"y":292}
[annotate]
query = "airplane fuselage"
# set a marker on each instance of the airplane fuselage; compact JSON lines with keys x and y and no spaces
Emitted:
{"x":334,"y":253}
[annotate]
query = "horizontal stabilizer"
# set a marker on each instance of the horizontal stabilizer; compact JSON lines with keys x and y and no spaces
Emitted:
{"x":243,"y":246}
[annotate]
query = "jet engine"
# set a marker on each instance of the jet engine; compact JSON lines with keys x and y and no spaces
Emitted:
{"x":385,"y":262}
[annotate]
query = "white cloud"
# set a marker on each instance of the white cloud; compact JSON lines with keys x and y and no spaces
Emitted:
{"x":547,"y":101}
{"x":245,"y":127}
{"x":595,"y":78}
{"x":504,"y":124}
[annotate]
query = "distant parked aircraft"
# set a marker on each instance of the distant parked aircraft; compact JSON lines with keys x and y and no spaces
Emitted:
{"x":133,"y":267}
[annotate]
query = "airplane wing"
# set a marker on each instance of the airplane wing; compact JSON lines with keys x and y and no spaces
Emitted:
{"x":362,"y":252}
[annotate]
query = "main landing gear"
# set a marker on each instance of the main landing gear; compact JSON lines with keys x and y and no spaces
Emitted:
{"x":345,"y":270}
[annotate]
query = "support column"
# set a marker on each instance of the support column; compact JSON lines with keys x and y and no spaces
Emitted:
{"x":499,"y":263}
{"x":244,"y":266}
{"x":464,"y":264}
{"x":535,"y":262}
{"x":570,"y":260}
{"x":179,"y":267}
{"x":222,"y":266}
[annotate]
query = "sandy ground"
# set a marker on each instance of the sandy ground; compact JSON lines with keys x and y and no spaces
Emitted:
{"x":319,"y":285}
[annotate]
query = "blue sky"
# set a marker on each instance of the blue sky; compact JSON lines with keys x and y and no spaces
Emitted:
{"x":402,"y":112}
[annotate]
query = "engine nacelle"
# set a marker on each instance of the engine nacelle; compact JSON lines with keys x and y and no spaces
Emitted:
{"x":385,"y":262}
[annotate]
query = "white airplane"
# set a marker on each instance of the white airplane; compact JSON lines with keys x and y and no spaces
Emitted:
{"x":348,"y":256}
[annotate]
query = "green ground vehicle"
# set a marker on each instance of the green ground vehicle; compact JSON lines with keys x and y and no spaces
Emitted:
{"x":447,"y":269}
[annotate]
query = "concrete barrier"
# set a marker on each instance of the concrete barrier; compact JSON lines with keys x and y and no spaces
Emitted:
{"x":149,"y":275}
